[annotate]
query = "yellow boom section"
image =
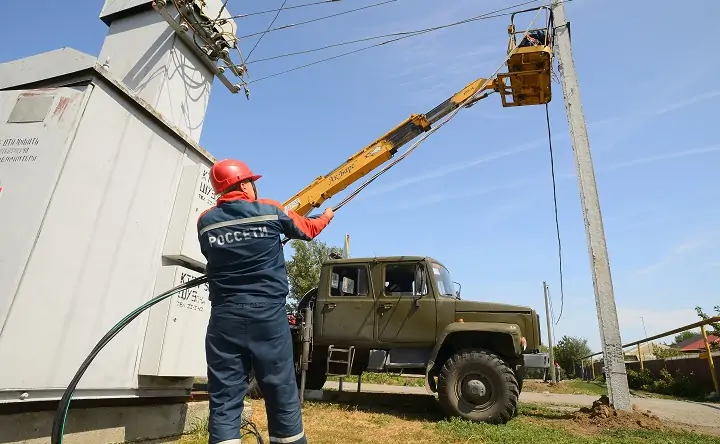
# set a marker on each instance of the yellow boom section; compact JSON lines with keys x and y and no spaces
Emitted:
{"x":380,"y":151}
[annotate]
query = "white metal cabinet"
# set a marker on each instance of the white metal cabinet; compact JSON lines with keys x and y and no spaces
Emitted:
{"x":175,"y":339}
{"x":36,"y":130}
{"x":195,"y":195}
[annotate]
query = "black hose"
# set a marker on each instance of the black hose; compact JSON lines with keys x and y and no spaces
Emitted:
{"x":58,"y":427}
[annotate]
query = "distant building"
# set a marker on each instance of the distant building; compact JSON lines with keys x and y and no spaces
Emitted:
{"x":647,"y":350}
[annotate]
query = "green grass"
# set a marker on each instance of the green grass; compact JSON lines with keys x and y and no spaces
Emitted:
{"x":591,"y":388}
{"x":541,"y":424}
{"x":384,"y":378}
{"x":329,"y":423}
{"x":598,"y":387}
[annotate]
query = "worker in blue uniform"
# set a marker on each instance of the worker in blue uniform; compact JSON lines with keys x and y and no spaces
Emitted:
{"x":248,"y":326}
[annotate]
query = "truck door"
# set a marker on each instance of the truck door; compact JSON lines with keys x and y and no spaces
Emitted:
{"x":347,"y":307}
{"x":405,"y":307}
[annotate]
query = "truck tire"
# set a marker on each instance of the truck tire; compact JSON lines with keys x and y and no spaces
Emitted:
{"x":478,"y":386}
{"x":315,"y":377}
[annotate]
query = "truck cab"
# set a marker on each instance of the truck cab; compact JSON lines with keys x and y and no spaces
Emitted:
{"x":403,"y":313}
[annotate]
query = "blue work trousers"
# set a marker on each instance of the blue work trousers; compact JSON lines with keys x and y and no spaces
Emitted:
{"x":241,"y":337}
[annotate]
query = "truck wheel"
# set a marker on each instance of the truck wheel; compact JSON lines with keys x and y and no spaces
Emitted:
{"x":315,"y":378}
{"x":478,"y":386}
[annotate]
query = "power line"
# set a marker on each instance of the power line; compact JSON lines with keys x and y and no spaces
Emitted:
{"x":268,"y":11}
{"x":266,"y":31}
{"x":485,"y":16}
{"x":557,"y":223}
{"x":333,"y":45}
{"x":402,"y":35}
{"x":318,"y":19}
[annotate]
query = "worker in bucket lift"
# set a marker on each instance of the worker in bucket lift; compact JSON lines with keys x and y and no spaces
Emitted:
{"x":248,"y":326}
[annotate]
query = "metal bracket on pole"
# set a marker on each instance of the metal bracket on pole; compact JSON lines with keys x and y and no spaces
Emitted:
{"x":182,"y":31}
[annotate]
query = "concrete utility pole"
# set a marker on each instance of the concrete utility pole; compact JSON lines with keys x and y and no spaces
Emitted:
{"x":346,"y":247}
{"x":553,"y":377}
{"x":617,"y":384}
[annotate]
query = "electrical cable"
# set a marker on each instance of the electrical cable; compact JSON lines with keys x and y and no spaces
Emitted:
{"x":60,"y":418}
{"x":266,"y":31}
{"x":486,"y":16}
{"x":551,"y":27}
{"x":267,"y":11}
{"x":557,"y":222}
{"x":403,"y":35}
{"x":325,"y":17}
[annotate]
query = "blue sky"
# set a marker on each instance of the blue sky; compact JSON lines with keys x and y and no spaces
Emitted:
{"x":477,"y":194}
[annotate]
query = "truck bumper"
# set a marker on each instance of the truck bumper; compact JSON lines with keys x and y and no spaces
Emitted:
{"x":536,"y":360}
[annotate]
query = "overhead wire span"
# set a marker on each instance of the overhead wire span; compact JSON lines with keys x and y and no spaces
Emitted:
{"x":325,"y":17}
{"x":268,"y":11}
{"x":401,"y":35}
{"x":266,"y":31}
{"x":486,"y":16}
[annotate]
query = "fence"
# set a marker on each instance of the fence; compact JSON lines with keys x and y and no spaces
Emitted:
{"x":701,"y":366}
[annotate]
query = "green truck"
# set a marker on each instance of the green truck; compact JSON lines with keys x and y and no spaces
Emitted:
{"x":403,"y":314}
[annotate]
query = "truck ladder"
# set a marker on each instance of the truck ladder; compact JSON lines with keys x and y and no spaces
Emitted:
{"x":346,"y":361}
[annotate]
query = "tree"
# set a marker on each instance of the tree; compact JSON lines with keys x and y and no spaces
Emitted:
{"x":304,"y":268}
{"x":570,"y":350}
{"x":664,"y":353}
{"x":712,"y":328}
{"x":684,"y":336}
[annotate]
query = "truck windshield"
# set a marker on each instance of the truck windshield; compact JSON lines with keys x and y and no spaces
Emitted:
{"x":443,"y":280}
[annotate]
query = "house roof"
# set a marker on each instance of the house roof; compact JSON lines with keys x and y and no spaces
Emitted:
{"x":695,"y":343}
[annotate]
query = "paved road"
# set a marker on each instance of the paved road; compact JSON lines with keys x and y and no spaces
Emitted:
{"x":699,"y":414}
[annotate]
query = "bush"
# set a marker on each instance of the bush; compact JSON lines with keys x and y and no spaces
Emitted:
{"x":679,"y":385}
{"x":639,"y":380}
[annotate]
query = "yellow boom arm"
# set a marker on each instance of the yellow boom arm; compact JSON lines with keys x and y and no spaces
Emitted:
{"x":380,"y":151}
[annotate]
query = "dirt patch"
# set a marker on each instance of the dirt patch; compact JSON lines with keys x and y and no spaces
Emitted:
{"x":591,"y":421}
{"x":602,"y":416}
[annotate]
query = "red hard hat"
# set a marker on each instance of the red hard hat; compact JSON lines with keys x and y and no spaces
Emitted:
{"x":228,"y":172}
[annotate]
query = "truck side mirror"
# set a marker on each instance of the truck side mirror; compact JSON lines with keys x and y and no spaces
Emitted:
{"x":420,"y":287}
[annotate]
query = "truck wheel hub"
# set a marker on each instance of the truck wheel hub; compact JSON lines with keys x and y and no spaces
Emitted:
{"x":475,"y":390}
